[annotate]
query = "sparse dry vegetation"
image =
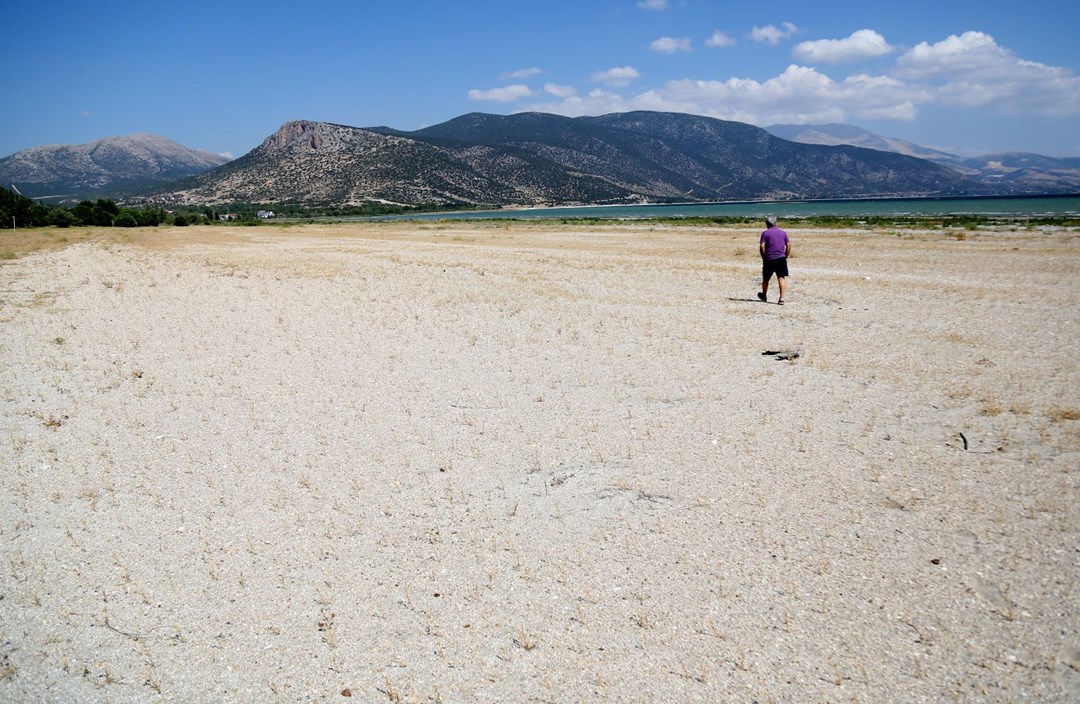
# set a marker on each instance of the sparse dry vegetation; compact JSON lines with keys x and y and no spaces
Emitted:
{"x":1057,"y":413}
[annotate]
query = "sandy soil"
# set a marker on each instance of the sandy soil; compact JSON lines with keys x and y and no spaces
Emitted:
{"x":482,"y":464}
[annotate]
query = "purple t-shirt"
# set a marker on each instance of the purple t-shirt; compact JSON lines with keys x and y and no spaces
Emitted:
{"x":775,"y":241}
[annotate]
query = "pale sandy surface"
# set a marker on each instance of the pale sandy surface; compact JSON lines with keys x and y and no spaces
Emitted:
{"x":446,"y":464}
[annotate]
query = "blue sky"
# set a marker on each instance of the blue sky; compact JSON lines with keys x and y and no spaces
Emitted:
{"x":966,"y":77}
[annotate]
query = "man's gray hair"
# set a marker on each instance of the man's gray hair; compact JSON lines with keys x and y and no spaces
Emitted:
{"x":770,"y":220}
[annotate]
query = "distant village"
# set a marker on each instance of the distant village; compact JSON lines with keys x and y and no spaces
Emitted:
{"x":261,"y":214}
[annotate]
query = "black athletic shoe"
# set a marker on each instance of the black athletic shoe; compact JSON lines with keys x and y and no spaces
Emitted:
{"x":761,"y":296}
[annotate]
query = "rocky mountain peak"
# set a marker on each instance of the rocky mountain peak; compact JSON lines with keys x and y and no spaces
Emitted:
{"x":308,"y":137}
{"x":295,"y":132}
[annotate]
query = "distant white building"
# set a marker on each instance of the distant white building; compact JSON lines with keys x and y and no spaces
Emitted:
{"x":265,"y":214}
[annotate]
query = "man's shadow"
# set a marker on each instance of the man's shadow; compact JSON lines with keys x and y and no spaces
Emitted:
{"x":750,"y":300}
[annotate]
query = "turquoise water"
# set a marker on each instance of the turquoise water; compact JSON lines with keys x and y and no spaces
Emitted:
{"x":1020,"y":207}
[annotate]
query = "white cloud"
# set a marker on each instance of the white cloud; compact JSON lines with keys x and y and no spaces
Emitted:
{"x":85,"y":113}
{"x":972,"y":53}
{"x":719,"y":38}
{"x":969,"y":71}
{"x":772,"y":35}
{"x":972,"y":70}
{"x":618,"y":77}
{"x":521,"y":73}
{"x":798,"y":95}
{"x":227,"y":155}
{"x":863,"y":44}
{"x":506,"y":94}
{"x":670,"y":45}
{"x":597,"y":102}
{"x":559,"y":91}
{"x":653,"y":4}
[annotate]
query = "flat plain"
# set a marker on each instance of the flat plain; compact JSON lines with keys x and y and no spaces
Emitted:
{"x":494,"y":462}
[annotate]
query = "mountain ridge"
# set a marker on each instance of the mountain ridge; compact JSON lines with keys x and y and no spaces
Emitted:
{"x":531,"y":159}
{"x":544,"y":159}
{"x":111,"y":165}
{"x":1017,"y":172}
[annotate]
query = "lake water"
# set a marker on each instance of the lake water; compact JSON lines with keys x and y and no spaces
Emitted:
{"x":1050,"y":206}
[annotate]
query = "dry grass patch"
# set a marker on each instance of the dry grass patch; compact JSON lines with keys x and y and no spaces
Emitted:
{"x":1058,"y":413}
{"x":19,"y":243}
{"x":1020,"y":408}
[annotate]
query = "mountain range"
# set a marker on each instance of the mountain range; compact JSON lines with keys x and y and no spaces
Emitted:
{"x":1009,"y":172}
{"x":110,"y":167}
{"x":545,"y":159}
{"x":530,"y":159}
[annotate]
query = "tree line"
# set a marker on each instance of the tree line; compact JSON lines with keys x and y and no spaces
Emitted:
{"x":19,"y":211}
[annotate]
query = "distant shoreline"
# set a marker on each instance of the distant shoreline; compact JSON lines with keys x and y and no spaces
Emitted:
{"x":1062,"y":205}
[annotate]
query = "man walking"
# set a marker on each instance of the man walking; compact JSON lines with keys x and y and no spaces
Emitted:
{"x":775,"y":248}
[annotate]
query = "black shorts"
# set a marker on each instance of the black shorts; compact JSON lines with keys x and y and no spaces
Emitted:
{"x":774,"y":266}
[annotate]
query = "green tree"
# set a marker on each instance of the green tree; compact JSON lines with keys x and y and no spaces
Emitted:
{"x":84,"y":212}
{"x":105,"y":212}
{"x":62,"y":217}
{"x":17,"y":210}
{"x":37,"y":215}
{"x":149,"y":217}
{"x":108,"y":206}
{"x":126,"y":218}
